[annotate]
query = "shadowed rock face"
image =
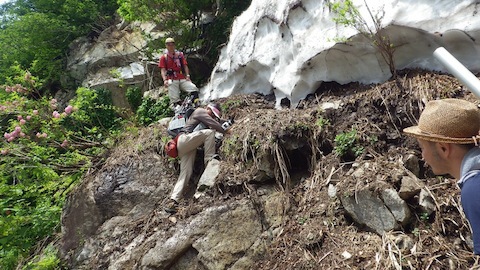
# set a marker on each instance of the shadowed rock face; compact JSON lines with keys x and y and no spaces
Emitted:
{"x":115,"y":218}
{"x":288,"y":47}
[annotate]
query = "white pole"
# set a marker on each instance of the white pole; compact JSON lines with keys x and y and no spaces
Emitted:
{"x":458,"y":70}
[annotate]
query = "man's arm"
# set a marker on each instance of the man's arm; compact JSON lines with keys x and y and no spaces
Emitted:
{"x":187,"y":73}
{"x":163,"y":70}
{"x":202,"y":116}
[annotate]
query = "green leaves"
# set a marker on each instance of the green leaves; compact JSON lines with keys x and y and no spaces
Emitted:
{"x":185,"y":17}
{"x":346,"y":13}
{"x":347,"y":144}
{"x":36,"y":33}
{"x":153,"y":110}
{"x":44,"y":151}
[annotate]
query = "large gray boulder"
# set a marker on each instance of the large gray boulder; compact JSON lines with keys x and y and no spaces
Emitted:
{"x":379,"y":213}
{"x":115,"y":60}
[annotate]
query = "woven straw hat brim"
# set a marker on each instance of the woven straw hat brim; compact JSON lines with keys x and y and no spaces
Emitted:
{"x":416,"y":132}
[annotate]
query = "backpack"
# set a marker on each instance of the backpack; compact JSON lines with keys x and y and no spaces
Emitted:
{"x":177,"y":123}
{"x":181,"y":116}
{"x":178,"y":55}
{"x":171,"y":148}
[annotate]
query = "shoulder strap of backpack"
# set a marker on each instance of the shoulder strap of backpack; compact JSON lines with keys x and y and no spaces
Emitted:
{"x":180,"y":58}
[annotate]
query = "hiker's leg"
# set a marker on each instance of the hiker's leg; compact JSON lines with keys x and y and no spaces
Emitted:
{"x":188,"y":86}
{"x":174,"y":92}
{"x":209,"y":146}
{"x":190,"y":141}
{"x":186,"y":168}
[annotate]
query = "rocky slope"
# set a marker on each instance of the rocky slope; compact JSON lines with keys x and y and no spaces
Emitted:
{"x":294,"y":191}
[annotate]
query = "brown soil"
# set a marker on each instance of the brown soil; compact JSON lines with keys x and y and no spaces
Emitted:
{"x":317,"y":233}
{"x":296,"y":151}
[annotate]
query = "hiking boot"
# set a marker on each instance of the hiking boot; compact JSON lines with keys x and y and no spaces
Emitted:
{"x":216,"y":156}
{"x":171,"y":207}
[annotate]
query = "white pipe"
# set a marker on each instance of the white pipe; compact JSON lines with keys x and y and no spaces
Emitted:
{"x":458,"y":70}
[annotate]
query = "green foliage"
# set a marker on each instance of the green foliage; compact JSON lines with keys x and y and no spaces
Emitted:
{"x":322,"y":122}
{"x":177,"y":16}
{"x":36,"y":34}
{"x":97,"y":110}
{"x":182,"y":19}
{"x":47,"y":261}
{"x":346,"y":14}
{"x":347,"y":143}
{"x":302,"y":220}
{"x":134,"y":97}
{"x":424,"y":216}
{"x":230,"y":105}
{"x":153,"y":110}
{"x":216,"y":34}
{"x":229,"y":145}
{"x":44,"y":152}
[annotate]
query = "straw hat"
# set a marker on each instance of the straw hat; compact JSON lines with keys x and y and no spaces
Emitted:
{"x":448,"y":121}
{"x":169,"y":40}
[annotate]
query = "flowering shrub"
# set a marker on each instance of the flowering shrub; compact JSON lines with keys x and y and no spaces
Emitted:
{"x":43,"y":152}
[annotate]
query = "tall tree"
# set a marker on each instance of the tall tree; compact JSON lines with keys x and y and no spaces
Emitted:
{"x":36,"y":33}
{"x":184,"y":20}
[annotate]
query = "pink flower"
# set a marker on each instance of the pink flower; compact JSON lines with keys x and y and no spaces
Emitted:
{"x":11,"y":139}
{"x":64,"y":144}
{"x":22,"y":122}
{"x":22,"y":134}
{"x":56,"y":114}
{"x":4,"y":152}
{"x":35,"y":112}
{"x":29,"y":117}
{"x":68,"y":109}
{"x":19,"y":117}
{"x":16,"y":132}
{"x":53,"y":103}
{"x":6,"y":135}
{"x":41,"y":135}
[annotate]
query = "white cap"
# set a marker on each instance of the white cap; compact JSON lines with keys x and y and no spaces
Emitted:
{"x":215,"y":111}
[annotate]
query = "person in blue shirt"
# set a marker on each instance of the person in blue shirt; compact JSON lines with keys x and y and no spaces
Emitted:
{"x":448,"y":135}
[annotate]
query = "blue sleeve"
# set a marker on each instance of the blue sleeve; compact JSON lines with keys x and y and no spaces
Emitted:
{"x":471,"y":207}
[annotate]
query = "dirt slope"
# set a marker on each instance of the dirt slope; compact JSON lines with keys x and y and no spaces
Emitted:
{"x":317,"y":232}
{"x":341,"y":140}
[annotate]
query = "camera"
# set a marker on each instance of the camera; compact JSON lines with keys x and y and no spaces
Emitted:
{"x":170,"y":72}
{"x":227,"y":124}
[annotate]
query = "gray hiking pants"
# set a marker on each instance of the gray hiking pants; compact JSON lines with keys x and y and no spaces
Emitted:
{"x":176,"y":86}
{"x":187,"y":149}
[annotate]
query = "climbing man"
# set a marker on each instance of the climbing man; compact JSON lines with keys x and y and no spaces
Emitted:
{"x":189,"y":140}
{"x":448,"y":135}
{"x":175,"y":73}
